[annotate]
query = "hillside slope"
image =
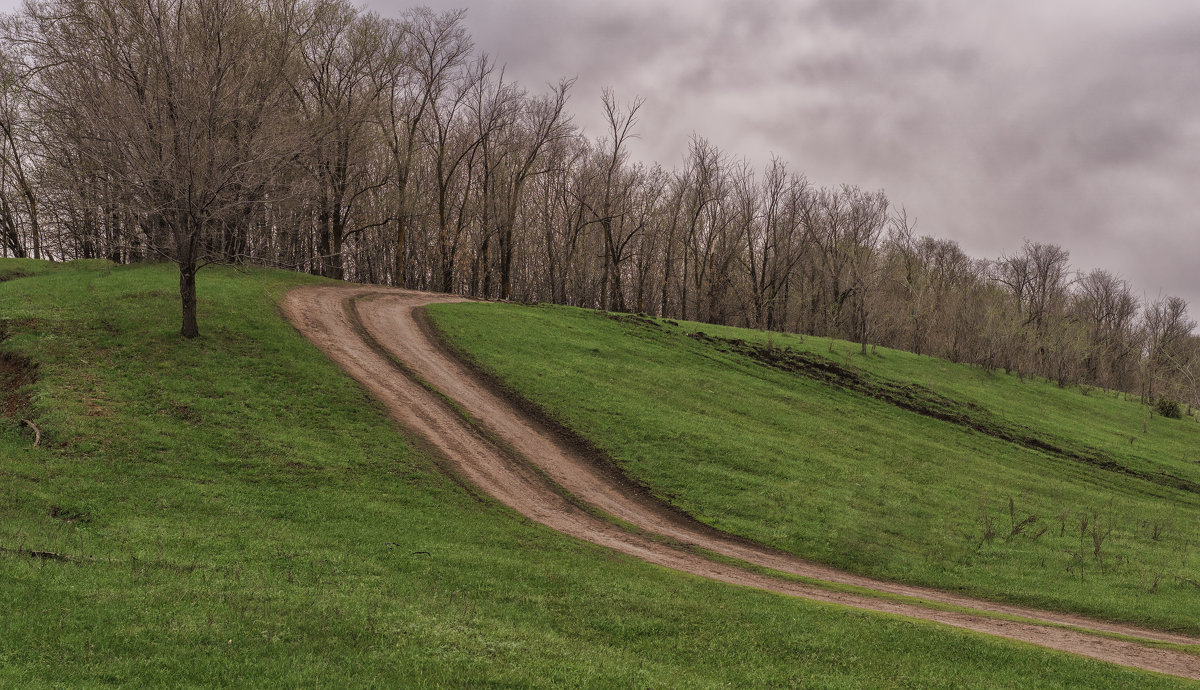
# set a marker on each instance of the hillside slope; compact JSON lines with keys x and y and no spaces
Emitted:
{"x":891,"y":465}
{"x":233,"y":510}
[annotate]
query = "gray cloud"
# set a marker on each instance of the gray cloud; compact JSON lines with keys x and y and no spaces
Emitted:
{"x":858,"y":12}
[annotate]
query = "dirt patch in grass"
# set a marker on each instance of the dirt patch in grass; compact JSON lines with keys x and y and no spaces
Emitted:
{"x":639,"y":319}
{"x":184,"y":413}
{"x":924,"y":401}
{"x":70,"y":514}
{"x":16,"y":372}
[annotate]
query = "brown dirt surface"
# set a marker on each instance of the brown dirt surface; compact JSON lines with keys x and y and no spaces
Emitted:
{"x":16,"y":372}
{"x":377,"y":336}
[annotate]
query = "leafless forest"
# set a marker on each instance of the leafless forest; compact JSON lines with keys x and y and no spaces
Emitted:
{"x":314,"y":136}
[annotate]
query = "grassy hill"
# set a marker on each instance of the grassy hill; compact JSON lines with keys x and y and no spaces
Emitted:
{"x":234,"y":510}
{"x":891,"y":464}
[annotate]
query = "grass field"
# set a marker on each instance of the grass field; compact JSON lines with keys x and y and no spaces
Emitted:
{"x":235,"y":511}
{"x":894,"y":465}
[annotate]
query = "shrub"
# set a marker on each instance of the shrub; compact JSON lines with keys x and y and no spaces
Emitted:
{"x":1168,"y":408}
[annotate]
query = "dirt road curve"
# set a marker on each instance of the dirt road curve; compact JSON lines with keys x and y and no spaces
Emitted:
{"x":527,"y":466}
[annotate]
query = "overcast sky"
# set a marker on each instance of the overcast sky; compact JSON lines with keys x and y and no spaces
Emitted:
{"x":1073,"y":121}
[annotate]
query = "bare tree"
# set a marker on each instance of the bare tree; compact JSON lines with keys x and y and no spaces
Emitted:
{"x":176,"y":102}
{"x":772,"y":247}
{"x":1166,"y":326}
{"x":338,"y":54}
{"x":867,"y":221}
{"x":17,"y":132}
{"x":608,"y":200}
{"x":1107,"y":309}
{"x":706,"y":182}
{"x":542,"y":123}
{"x":436,"y":49}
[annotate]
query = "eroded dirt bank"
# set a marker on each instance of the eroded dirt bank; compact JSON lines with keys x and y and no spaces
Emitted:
{"x":375,"y":335}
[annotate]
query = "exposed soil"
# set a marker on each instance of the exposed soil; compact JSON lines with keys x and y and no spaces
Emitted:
{"x":5,"y":277}
{"x":923,"y":401}
{"x":376,"y":336}
{"x":16,"y":372}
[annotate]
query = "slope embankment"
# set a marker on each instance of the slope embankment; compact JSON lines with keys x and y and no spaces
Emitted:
{"x":376,"y":336}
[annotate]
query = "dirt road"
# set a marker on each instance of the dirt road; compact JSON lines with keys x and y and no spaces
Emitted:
{"x":378,"y":336}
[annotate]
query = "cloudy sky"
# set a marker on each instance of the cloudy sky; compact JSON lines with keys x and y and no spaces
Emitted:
{"x":1073,"y":121}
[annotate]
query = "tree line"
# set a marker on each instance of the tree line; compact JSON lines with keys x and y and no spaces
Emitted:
{"x":313,"y":135}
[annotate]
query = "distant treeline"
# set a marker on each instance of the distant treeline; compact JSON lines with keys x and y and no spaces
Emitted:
{"x":316,"y":136}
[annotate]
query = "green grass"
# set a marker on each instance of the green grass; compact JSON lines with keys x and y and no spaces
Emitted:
{"x":848,"y":479}
{"x":235,"y":511}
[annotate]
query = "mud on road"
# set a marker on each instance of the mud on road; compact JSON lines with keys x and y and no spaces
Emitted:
{"x":378,"y":337}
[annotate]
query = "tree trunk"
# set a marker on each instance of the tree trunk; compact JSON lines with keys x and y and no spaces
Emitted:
{"x":12,"y":240}
{"x":485,"y":267}
{"x":187,"y":296}
{"x":447,"y":283}
{"x":337,"y":263}
{"x":398,"y":277}
{"x":506,"y":256}
{"x":34,"y":227}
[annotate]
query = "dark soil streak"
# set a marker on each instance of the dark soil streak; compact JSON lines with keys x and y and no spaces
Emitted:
{"x":16,"y":372}
{"x":923,"y":401}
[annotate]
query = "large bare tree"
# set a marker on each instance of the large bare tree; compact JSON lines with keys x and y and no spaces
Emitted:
{"x":177,"y":102}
